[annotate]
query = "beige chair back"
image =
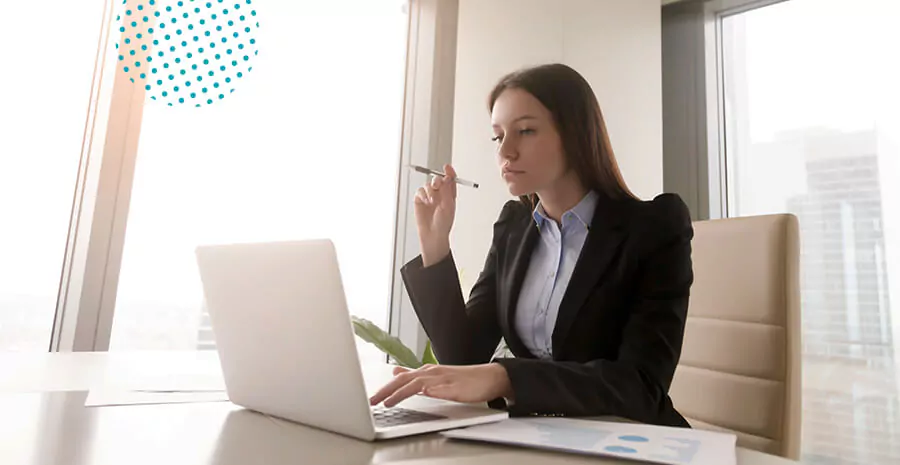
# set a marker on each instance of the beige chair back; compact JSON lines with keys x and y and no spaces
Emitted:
{"x":740,"y":364}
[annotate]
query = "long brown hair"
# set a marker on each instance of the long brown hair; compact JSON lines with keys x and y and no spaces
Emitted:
{"x":578,"y":118}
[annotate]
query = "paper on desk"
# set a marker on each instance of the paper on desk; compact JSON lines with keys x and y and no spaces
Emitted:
{"x":108,"y":397}
{"x":181,"y":382}
{"x":646,"y":443}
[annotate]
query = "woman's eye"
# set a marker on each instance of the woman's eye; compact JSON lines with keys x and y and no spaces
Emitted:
{"x":526,"y":131}
{"x":497,"y":138}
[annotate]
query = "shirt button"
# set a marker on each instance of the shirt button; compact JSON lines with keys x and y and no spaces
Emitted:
{"x":552,"y":274}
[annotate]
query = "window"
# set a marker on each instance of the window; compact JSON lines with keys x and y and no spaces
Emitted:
{"x":307,"y":146}
{"x":44,"y":99}
{"x":813,"y":128}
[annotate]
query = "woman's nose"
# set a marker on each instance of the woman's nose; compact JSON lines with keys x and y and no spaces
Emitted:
{"x":507,"y":150}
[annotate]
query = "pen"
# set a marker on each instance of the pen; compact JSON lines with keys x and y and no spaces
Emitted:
{"x":438,"y":173}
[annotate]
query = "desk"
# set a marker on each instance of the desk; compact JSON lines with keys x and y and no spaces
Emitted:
{"x":43,"y":421}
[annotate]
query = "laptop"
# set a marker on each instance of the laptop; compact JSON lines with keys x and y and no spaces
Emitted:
{"x":286,"y":344}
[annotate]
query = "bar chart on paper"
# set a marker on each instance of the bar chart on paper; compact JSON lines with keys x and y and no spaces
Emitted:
{"x":652,"y":444}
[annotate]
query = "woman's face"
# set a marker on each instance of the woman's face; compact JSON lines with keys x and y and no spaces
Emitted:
{"x":529,"y":148}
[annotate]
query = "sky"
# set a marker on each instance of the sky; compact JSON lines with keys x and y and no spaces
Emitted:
{"x":823,"y":62}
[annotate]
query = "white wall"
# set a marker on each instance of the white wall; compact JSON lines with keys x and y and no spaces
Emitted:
{"x":615,"y":44}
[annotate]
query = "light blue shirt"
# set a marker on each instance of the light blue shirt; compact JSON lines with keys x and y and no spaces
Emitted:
{"x":551,"y":266}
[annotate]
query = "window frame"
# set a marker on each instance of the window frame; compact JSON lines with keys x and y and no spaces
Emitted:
{"x":426,"y":140}
{"x":93,"y":251}
{"x":715,"y":11}
{"x":694,"y":129}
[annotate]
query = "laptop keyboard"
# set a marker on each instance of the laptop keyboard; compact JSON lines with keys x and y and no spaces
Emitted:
{"x":385,"y":417}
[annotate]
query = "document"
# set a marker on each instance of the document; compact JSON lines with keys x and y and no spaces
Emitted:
{"x":114,"y":396}
{"x":642,"y":443}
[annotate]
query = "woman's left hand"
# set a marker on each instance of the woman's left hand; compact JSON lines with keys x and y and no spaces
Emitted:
{"x":470,"y":383}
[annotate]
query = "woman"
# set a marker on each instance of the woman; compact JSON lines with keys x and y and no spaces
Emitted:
{"x":587,"y":284}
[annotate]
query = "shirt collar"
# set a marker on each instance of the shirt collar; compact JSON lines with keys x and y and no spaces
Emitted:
{"x":582,"y":213}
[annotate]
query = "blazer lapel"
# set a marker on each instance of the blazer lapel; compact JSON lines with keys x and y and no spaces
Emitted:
{"x":520,"y":258}
{"x":601,"y":245}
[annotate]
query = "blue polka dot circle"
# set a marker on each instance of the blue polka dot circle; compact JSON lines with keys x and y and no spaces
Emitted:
{"x":188,"y":52}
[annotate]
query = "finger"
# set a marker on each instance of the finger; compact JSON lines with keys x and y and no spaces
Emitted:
{"x":445,"y":391}
{"x":449,"y":171}
{"x":398,"y":370}
{"x":451,"y":179}
{"x":399,"y":381}
{"x":421,"y":196}
{"x":437,"y":182}
{"x":430,"y":192}
{"x":395,"y":384}
{"x":410,"y":389}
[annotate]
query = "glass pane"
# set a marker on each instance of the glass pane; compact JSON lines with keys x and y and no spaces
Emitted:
{"x":813,"y":128}
{"x":307,"y":146}
{"x":44,"y":97}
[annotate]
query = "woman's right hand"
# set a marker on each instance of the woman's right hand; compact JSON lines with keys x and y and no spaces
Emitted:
{"x":435,"y":206}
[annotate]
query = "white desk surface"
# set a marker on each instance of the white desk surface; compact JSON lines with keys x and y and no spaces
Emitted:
{"x":43,"y":421}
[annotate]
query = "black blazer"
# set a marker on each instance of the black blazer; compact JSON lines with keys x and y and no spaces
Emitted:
{"x":620,"y":325}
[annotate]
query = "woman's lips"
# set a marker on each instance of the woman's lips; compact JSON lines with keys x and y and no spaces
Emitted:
{"x":509,"y":174}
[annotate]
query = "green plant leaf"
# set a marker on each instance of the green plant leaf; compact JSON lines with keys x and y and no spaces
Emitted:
{"x":371,"y":333}
{"x":428,"y":355}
